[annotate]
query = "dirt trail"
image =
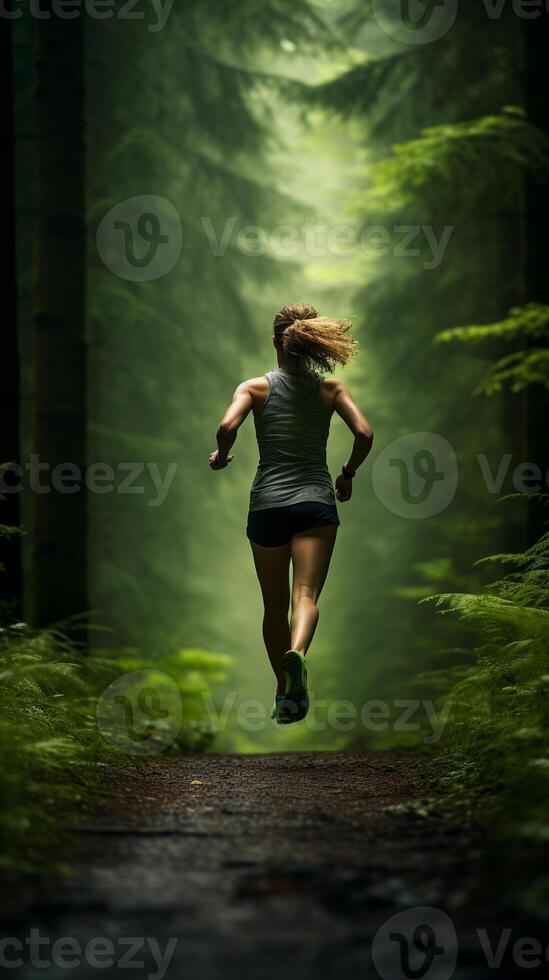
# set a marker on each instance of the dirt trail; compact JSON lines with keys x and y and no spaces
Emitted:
{"x":262,"y":867}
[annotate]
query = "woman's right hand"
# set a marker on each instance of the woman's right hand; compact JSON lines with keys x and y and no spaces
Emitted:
{"x":344,"y":488}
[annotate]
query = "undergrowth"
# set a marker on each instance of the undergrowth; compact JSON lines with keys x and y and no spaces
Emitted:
{"x":55,"y":756}
{"x":495,"y":745}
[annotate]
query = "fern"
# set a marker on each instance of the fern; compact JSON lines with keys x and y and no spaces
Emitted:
{"x":498,"y":729}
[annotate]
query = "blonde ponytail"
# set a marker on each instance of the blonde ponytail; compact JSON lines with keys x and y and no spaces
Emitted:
{"x":316,"y":341}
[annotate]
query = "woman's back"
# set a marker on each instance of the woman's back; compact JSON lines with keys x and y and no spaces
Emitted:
{"x":293,"y":517}
{"x":292,"y":430}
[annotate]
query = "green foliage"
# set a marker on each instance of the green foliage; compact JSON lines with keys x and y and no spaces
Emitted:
{"x":9,"y":532}
{"x":459,"y":165}
{"x":450,"y":155}
{"x":220,"y":132}
{"x":522,"y":368}
{"x":53,"y":753}
{"x":503,"y":691}
{"x":497,"y":735}
{"x":166,"y":355}
{"x":398,"y":89}
{"x":464,"y":164}
{"x":531,"y":321}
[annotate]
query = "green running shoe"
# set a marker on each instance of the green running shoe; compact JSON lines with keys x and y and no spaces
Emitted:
{"x":295,"y":673}
{"x":284,"y":710}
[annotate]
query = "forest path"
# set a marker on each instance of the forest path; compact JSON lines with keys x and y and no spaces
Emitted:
{"x":261,"y":866}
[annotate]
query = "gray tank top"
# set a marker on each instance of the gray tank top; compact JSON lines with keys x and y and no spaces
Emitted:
{"x":292,"y":431}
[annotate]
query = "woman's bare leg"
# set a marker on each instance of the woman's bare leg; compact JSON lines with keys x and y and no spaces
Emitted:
{"x":311,"y":553}
{"x":272,"y":566}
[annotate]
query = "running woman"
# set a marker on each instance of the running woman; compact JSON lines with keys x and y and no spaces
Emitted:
{"x":293,"y":515}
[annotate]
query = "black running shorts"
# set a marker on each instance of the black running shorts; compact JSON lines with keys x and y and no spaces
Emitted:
{"x":277,"y":525}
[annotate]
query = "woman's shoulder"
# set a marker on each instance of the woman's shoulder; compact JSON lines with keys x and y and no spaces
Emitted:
{"x":256,"y":384}
{"x":330,"y":388}
{"x":330,"y":384}
{"x":258,"y":388}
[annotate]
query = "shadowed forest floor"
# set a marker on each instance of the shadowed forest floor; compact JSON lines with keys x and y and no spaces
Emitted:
{"x":264,"y":866}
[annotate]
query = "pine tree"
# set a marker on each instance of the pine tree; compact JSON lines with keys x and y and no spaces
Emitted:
{"x":58,"y":522}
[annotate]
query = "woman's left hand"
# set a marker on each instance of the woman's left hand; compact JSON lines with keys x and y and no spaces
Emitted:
{"x":216,"y":464}
{"x":344,"y":488}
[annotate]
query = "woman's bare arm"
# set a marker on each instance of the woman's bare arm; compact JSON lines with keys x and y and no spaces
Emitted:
{"x":346,"y":407}
{"x":244,"y":398}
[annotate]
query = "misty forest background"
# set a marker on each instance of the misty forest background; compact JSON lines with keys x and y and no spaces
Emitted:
{"x":276,"y":114}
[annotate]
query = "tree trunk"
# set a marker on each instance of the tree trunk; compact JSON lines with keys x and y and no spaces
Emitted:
{"x":10,"y":554}
{"x":536,"y":36}
{"x":58,"y":428}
